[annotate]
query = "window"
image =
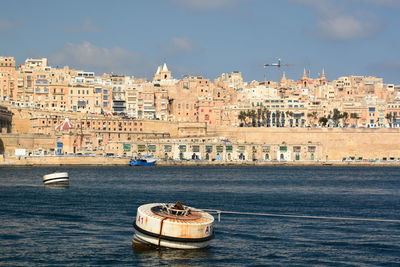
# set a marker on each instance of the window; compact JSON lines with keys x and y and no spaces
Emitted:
{"x":296,"y":149}
{"x":141,"y":148}
{"x":182,"y":148}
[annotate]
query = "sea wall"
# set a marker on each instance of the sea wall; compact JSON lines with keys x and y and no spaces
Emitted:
{"x":62,"y":160}
{"x":336,"y":143}
{"x":111,"y":161}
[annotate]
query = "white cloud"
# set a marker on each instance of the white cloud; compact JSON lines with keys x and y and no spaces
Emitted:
{"x":101,"y":59}
{"x":335,"y":23}
{"x":87,"y":26}
{"x":205,"y":4}
{"x":180,"y":45}
{"x":389,"y":3}
{"x":346,"y":27}
{"x":6,"y":24}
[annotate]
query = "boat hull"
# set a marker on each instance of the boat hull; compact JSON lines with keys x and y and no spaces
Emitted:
{"x":142,"y":163}
{"x":55,"y":179}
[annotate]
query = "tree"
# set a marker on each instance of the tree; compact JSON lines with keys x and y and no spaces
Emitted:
{"x":323,"y":121}
{"x":289,"y":115}
{"x":263,"y":116}
{"x":268,"y":118}
{"x":356,"y":117}
{"x":242,"y":117}
{"x":345,"y":116}
{"x":259,"y":111}
{"x":389,"y":118}
{"x":252,"y":115}
{"x":277,"y":118}
{"x":314,"y":116}
{"x":336,"y":116}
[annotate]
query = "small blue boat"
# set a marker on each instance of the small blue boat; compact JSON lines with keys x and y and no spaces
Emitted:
{"x":142,"y":162}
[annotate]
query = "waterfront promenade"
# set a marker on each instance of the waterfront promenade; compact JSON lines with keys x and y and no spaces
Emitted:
{"x":124,"y":161}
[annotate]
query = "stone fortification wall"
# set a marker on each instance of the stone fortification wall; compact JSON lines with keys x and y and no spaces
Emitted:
{"x":31,"y":142}
{"x":52,"y":160}
{"x":336,"y":143}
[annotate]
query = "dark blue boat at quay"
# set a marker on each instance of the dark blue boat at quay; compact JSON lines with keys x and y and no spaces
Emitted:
{"x":89,"y":223}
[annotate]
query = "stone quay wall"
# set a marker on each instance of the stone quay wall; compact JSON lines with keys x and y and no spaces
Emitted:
{"x":336,"y":143}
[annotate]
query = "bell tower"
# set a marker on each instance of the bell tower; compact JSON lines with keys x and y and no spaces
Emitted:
{"x":304,"y":78}
{"x":322,"y":79}
{"x":162,"y":73}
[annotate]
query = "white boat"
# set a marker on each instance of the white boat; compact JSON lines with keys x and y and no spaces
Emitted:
{"x":172,"y":226}
{"x":56,"y":179}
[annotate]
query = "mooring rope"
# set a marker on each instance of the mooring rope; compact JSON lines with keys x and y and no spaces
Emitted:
{"x":219,"y":212}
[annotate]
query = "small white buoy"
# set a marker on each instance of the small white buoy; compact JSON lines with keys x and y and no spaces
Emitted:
{"x":172,"y":226}
{"x":56,"y":179}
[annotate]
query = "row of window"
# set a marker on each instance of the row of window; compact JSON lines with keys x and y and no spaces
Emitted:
{"x":218,"y":148}
{"x":88,"y":123}
{"x":6,"y":64}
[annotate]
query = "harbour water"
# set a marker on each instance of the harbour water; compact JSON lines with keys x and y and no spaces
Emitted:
{"x":90,"y":223}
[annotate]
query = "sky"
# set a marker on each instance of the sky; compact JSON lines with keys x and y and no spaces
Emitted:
{"x":208,"y":37}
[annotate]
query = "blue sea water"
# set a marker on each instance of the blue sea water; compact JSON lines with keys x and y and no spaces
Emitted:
{"x":90,"y":223}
